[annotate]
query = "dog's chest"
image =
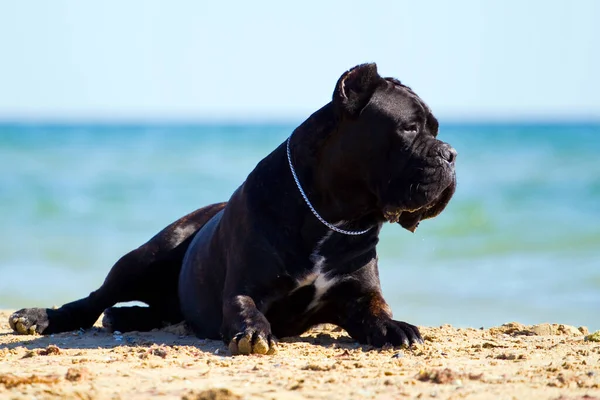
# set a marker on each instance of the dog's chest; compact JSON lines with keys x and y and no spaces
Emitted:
{"x":321,"y":280}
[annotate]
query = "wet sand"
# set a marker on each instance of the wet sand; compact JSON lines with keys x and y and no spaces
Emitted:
{"x":508,"y":362}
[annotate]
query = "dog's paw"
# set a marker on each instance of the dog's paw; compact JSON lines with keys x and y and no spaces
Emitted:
{"x":29,"y":321}
{"x":395,"y":333}
{"x":253,"y":341}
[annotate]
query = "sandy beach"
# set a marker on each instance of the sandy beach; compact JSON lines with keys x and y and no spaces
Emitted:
{"x":548,"y":361}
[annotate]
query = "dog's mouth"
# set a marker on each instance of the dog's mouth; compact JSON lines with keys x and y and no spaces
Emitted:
{"x":410,"y":219}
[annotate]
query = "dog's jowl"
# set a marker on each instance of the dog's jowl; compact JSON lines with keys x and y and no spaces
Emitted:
{"x":295,"y":245}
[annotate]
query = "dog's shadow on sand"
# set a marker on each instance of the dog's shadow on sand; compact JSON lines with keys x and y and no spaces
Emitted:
{"x":171,"y":336}
{"x":100,"y":338}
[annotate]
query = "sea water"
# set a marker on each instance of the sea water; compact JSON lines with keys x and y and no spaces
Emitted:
{"x":520,"y":240}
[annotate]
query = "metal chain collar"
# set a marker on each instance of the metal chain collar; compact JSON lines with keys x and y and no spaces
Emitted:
{"x":327,"y":224}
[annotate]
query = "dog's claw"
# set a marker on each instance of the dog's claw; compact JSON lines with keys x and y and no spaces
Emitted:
{"x":245,"y":345}
{"x":21,"y":325}
{"x":29,"y":321}
{"x":252,"y":343}
{"x":261,"y":346}
{"x":395,"y":333}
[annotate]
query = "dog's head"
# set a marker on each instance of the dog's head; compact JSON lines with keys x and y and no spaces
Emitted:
{"x":390,"y":137}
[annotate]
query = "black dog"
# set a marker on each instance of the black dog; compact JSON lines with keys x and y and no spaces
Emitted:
{"x":295,"y":244}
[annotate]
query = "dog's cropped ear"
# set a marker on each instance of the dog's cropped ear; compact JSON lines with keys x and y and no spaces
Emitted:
{"x":355,"y":88}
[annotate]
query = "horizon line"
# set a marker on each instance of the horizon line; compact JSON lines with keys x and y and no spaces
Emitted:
{"x":281,"y":121}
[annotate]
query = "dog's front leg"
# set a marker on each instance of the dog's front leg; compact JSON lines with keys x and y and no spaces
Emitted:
{"x":245,"y":329}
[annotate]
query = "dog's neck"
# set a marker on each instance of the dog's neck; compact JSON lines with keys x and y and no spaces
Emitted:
{"x":336,"y":197}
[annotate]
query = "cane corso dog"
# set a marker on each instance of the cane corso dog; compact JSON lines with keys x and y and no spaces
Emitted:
{"x":295,"y":245}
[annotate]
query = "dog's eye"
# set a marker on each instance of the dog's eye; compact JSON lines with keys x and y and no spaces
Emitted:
{"x":413,"y":128}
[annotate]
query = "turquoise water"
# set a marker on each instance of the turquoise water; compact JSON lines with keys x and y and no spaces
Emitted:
{"x":520,"y":240}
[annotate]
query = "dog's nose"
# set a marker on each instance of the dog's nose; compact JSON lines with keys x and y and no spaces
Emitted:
{"x":448,"y":153}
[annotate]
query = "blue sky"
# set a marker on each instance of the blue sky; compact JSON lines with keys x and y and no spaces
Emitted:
{"x":144,"y":59}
